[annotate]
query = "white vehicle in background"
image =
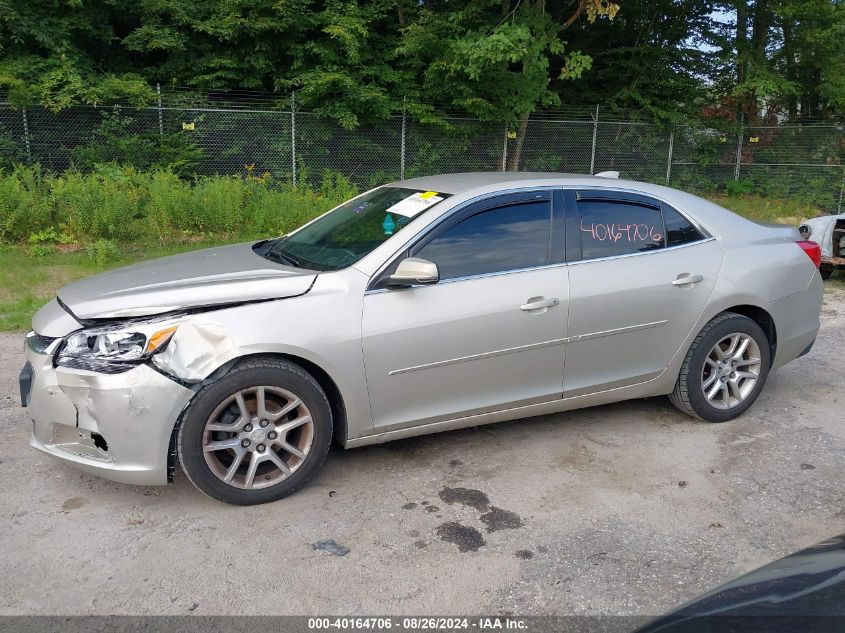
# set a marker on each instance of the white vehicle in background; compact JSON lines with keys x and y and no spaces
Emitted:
{"x":828,"y":232}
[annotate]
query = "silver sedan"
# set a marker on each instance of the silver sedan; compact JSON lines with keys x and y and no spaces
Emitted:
{"x":425,"y":305}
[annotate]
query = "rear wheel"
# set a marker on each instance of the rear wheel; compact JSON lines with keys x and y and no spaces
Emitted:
{"x":825,"y":271}
{"x":257,"y":434}
{"x":724,"y":370}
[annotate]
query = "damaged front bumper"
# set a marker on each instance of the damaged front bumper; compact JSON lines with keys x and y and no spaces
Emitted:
{"x":117,"y":426}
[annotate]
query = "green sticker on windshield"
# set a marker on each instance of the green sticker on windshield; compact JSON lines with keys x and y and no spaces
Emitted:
{"x":388,"y":225}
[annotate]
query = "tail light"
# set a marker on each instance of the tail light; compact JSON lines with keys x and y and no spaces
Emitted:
{"x":813,"y":250}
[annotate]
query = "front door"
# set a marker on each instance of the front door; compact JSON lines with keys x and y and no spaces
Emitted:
{"x":489,"y":335}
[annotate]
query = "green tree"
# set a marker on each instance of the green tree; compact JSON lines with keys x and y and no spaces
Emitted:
{"x":495,"y":59}
{"x":60,"y":52}
{"x":781,"y":56}
{"x":648,"y":61}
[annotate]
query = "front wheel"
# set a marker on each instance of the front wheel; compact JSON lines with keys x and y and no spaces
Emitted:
{"x":724,"y":370}
{"x":257,"y":434}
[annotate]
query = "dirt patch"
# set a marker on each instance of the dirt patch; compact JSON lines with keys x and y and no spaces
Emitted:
{"x":499,"y":519}
{"x":467,"y":538}
{"x":466,"y":496}
{"x":74,"y":503}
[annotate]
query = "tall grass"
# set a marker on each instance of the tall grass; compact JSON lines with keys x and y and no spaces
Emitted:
{"x":123,"y":204}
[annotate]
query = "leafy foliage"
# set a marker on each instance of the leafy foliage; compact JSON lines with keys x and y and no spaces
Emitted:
{"x":357,"y":61}
{"x":115,"y":142}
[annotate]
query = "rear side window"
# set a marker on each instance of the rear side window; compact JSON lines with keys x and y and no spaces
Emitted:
{"x":609,"y":228}
{"x":505,"y":238}
{"x":679,"y":230}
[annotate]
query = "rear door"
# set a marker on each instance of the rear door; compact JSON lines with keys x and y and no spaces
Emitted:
{"x":640,"y":274}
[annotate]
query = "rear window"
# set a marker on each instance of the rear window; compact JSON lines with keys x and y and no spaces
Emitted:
{"x":610,"y":228}
{"x":679,"y":230}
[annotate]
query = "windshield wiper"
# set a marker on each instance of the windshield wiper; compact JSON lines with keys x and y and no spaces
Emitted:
{"x":282,"y":258}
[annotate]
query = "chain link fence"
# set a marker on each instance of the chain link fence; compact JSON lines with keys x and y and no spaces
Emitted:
{"x":801,"y":162}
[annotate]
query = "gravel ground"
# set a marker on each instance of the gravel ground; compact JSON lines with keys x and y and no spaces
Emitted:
{"x":622,"y":509}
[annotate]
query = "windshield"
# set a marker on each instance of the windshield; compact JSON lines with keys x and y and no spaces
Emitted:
{"x":353,"y":229}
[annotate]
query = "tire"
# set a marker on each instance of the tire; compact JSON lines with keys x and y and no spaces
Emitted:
{"x":826,"y":271}
{"x":277,"y":447}
{"x":703,"y":366}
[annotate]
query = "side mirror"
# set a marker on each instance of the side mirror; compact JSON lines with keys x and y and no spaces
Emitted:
{"x":414,"y":270}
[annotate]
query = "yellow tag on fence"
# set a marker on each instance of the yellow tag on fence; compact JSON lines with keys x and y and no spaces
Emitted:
{"x":188,"y":126}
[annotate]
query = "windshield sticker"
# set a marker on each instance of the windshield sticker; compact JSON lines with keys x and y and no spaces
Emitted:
{"x":361,"y":207}
{"x":388,"y":225}
{"x":415,"y":204}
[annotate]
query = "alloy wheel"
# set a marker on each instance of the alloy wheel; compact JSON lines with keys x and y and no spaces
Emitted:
{"x":731,"y":371}
{"x":257,"y":437}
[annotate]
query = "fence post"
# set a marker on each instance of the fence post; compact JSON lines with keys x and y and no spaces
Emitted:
{"x":669,"y":160}
{"x":26,"y":134}
{"x":595,"y":132}
{"x":402,"y":146}
{"x":841,"y":193}
{"x":505,"y":150}
{"x":160,"y":113}
{"x":293,"y":136}
{"x":739,"y":146}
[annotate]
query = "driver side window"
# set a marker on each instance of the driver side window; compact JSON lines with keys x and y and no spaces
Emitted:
{"x":510,"y":237}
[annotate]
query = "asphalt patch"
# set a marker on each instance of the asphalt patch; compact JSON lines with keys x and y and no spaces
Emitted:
{"x":467,"y":538}
{"x":466,"y":496}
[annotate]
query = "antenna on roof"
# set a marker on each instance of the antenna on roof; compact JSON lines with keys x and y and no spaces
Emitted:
{"x":608,"y":174}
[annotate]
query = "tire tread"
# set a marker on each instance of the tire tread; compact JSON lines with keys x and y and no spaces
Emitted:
{"x":680,"y":394}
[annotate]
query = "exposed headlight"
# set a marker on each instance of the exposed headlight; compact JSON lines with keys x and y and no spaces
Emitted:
{"x":114,"y":349}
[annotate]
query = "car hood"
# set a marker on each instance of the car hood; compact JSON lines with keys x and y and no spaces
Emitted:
{"x":214,"y":276}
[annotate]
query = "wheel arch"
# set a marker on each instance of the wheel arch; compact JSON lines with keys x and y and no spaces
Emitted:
{"x":762,"y":318}
{"x":755,"y":312}
{"x":326,"y":382}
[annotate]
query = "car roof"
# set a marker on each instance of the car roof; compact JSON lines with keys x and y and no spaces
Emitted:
{"x":457,"y":183}
{"x":717,"y":220}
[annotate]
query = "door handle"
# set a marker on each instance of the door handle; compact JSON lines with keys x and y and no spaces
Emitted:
{"x":538,"y":303}
{"x":685,"y":279}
